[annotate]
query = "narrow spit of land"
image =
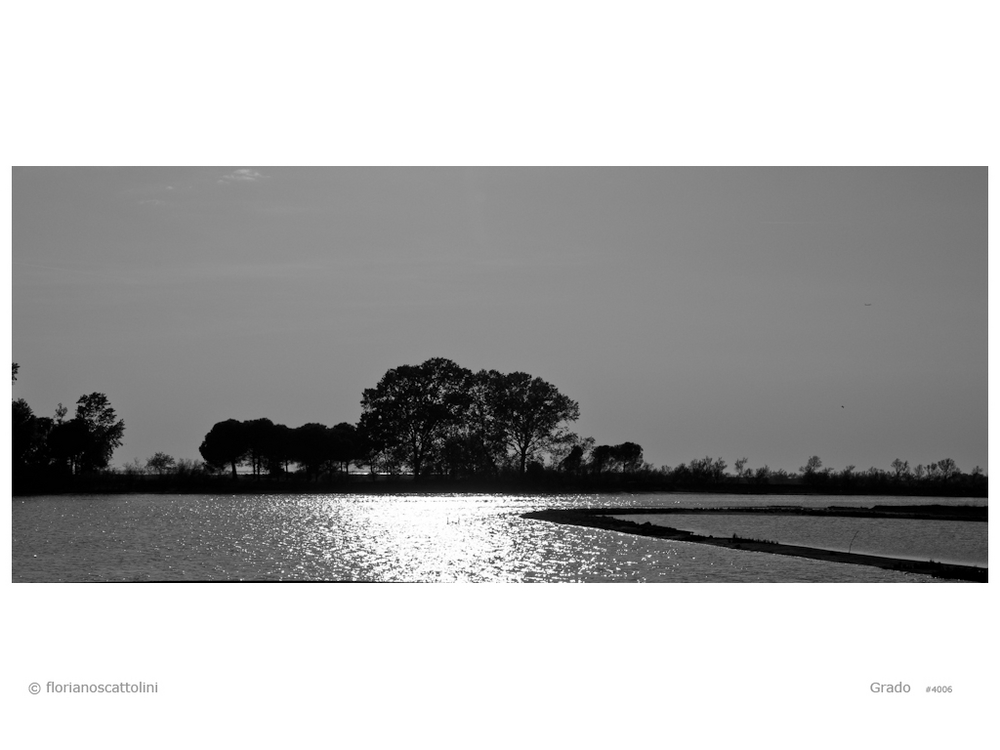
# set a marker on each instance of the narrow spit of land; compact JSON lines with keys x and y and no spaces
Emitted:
{"x":601,"y":518}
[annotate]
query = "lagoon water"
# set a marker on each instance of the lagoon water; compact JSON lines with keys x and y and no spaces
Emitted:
{"x":302,"y":537}
{"x":956,"y":542}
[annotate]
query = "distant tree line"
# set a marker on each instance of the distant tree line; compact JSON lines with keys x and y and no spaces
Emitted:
{"x":270,"y":448}
{"x":437,"y":421}
{"x":942,"y":477}
{"x":941,"y":474}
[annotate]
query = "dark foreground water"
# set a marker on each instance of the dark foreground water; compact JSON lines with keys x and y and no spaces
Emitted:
{"x":399,"y":538}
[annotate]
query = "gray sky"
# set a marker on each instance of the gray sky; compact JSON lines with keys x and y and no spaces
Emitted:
{"x":772,"y":313}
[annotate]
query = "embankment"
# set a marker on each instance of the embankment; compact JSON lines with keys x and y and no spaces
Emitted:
{"x":599,"y":518}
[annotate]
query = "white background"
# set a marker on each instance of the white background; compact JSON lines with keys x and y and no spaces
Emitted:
{"x":510,"y":83}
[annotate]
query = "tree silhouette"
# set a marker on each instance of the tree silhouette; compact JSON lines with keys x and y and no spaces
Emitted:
{"x":29,"y":437}
{"x":312,"y":447}
{"x":900,"y":467}
{"x":278,"y":448}
{"x":629,"y":455}
{"x":161,"y":463}
{"x":413,"y":409}
{"x":947,"y":468}
{"x":708,"y":469}
{"x":225,"y":445}
{"x":103,"y":430}
{"x":259,"y":442}
{"x":482,"y":440}
{"x":345,"y":445}
{"x":530,"y":414}
{"x":70,"y":443}
{"x":573,"y":461}
{"x":813,"y":465}
{"x":601,"y":458}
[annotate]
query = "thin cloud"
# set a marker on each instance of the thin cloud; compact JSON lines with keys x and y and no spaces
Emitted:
{"x":242,"y":175}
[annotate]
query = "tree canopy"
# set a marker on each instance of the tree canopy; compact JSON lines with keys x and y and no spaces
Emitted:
{"x":161,"y":463}
{"x":225,"y":445}
{"x":412,"y":411}
{"x":438,"y":414}
{"x":103,"y":430}
{"x":269,"y":448}
{"x":530,"y":413}
{"x":58,"y":446}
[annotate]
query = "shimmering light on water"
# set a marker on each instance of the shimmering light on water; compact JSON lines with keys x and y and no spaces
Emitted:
{"x":379,"y":538}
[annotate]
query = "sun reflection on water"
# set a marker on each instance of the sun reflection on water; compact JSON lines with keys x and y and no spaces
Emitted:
{"x":467,"y":538}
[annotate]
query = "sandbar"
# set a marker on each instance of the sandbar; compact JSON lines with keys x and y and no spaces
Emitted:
{"x":601,"y":518}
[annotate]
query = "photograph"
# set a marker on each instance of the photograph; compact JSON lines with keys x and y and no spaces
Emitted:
{"x":500,"y":374}
{"x":665,"y":325}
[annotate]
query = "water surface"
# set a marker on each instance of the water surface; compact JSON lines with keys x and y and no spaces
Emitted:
{"x":956,"y":542}
{"x":385,"y":538}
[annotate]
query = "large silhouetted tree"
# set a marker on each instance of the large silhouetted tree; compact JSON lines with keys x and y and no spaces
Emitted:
{"x":345,"y":446}
{"x":629,"y":456}
{"x":481,"y":442}
{"x":601,"y":458}
{"x":530,"y":414}
{"x":413,"y":409}
{"x":103,"y":430}
{"x":263,"y":442}
{"x":29,"y":437}
{"x":312,"y":447}
{"x":225,"y":445}
{"x":573,"y":461}
{"x":69,"y":443}
{"x":278,"y":449}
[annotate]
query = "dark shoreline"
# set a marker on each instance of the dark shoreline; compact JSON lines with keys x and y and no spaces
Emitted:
{"x":544,"y":484}
{"x":600,"y":518}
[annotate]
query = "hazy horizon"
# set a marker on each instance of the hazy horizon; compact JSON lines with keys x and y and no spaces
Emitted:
{"x":771,"y":313}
